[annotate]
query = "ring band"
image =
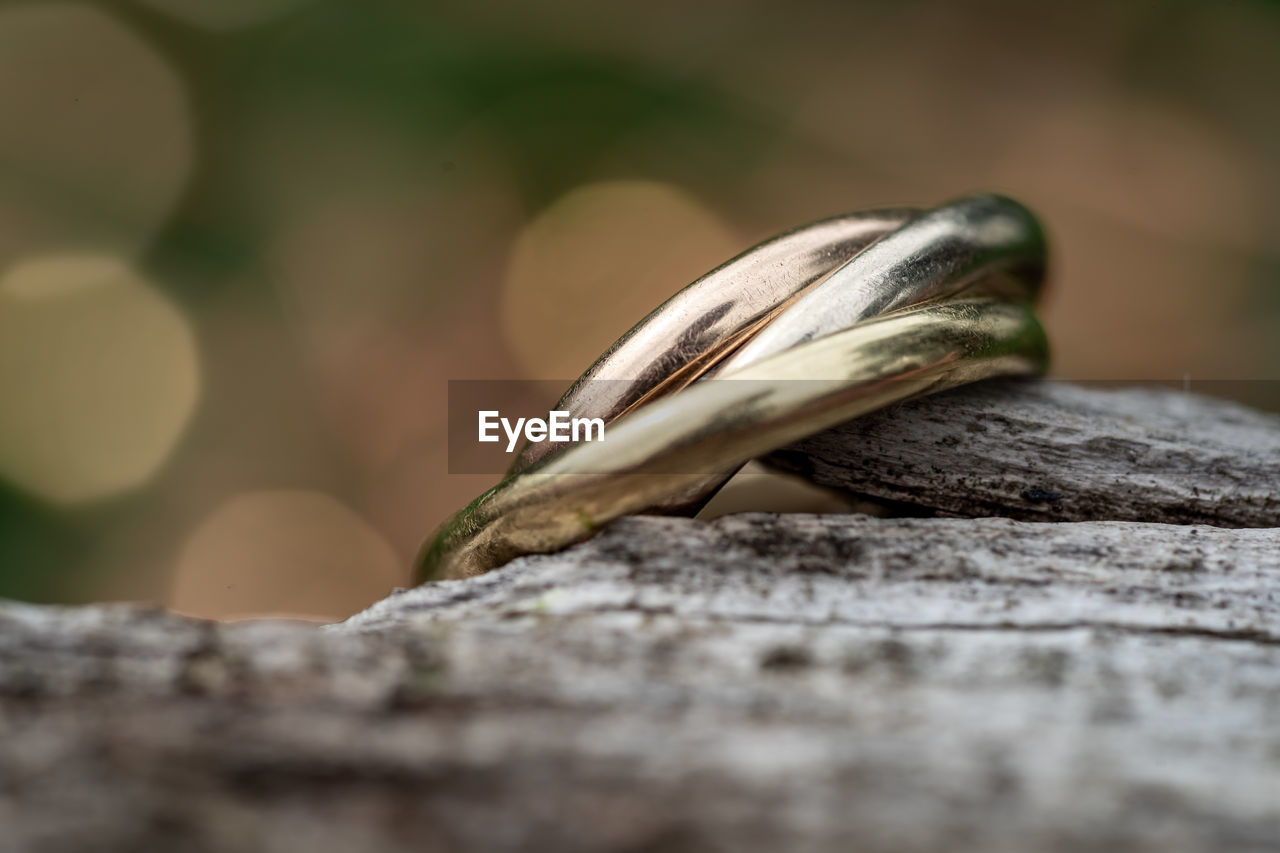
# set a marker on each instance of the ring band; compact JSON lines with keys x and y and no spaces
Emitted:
{"x":985,"y":241}
{"x":978,"y":262}
{"x":799,"y":285}
{"x":682,"y":339}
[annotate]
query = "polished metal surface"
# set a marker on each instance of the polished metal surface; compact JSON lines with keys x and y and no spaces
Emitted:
{"x":814,"y":327}
{"x":833,"y":272}
{"x":674,"y":450}
{"x":686,"y":335}
{"x":984,"y":240}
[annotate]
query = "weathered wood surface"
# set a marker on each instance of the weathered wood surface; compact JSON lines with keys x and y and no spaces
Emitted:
{"x":760,"y":682}
{"x":1058,"y":451}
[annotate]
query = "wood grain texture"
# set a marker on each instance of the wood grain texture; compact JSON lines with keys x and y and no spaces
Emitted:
{"x":1058,"y":451}
{"x":760,"y":682}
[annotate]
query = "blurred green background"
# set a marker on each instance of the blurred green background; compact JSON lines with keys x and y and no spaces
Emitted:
{"x":244,"y":244}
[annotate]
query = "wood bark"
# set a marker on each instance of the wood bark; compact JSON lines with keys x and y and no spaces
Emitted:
{"x":1094,"y":679}
{"x":1058,"y":451}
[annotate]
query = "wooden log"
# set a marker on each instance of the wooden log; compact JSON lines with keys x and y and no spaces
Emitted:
{"x":759,"y":682}
{"x":1058,"y":451}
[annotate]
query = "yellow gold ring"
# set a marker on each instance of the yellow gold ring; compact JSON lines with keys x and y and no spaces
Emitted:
{"x":974,"y":264}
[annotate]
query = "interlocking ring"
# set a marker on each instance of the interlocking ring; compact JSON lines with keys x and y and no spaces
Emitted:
{"x":814,"y":327}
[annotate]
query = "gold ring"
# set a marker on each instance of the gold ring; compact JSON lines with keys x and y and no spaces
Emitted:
{"x":798,"y":359}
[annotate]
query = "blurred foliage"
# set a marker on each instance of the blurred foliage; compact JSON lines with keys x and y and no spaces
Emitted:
{"x":552,"y":112}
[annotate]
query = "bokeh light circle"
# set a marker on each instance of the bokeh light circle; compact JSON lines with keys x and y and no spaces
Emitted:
{"x":95,"y":140}
{"x":98,"y":373}
{"x":283,"y":552}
